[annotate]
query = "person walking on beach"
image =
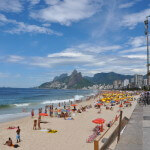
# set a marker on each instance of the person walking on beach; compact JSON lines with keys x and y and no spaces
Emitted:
{"x":39,"y":121}
{"x":32,"y":113}
{"x":35,"y":124}
{"x":18,"y":134}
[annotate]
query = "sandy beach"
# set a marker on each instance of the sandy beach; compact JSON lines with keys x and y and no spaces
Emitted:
{"x":71,"y":135}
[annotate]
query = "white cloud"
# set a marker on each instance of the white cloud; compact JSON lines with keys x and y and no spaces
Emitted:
{"x":3,"y":18}
{"x":24,"y":28}
{"x":131,"y":20}
{"x":34,"y":2}
{"x":91,"y":61}
{"x":137,"y":41}
{"x":66,"y":54}
{"x":94,"y":48}
{"x":11,"y":5}
{"x":139,"y":70}
{"x":68,"y":11}
{"x":85,"y":55}
{"x":4,"y":75}
{"x":52,"y":2}
{"x":46,"y":25}
{"x":136,"y":49}
{"x":21,"y":27}
{"x":127,"y":5}
{"x":136,"y":56}
{"x":14,"y":58}
{"x":63,"y":59}
{"x":9,"y":75}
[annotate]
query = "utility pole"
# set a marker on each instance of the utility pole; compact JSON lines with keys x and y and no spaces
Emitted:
{"x":147,"y":40}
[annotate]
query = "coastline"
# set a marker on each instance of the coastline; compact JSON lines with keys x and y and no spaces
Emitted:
{"x":73,"y":132}
{"x":18,"y":104}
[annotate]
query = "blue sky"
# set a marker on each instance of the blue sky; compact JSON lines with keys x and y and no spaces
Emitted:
{"x":40,"y":39}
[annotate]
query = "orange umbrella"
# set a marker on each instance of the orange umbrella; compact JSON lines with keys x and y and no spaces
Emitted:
{"x":120,"y":105}
{"x":74,"y":105}
{"x":127,"y":102}
{"x":99,"y":104}
{"x":99,"y":121}
{"x":43,"y":114}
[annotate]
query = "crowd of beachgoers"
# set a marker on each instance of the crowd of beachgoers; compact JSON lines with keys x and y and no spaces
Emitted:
{"x":103,"y":107}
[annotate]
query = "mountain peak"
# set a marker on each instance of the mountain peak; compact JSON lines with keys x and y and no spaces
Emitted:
{"x":74,"y":71}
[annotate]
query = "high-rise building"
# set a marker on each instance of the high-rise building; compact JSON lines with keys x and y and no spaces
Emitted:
{"x":132,"y":80}
{"x":126,"y":82}
{"x":145,"y":82}
{"x":138,"y":80}
{"x":117,"y":84}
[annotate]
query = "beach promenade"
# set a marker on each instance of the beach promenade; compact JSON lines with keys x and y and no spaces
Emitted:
{"x":137,"y":133}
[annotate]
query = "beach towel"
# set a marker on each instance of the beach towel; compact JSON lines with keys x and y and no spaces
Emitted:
{"x":12,"y":128}
{"x":69,"y":119}
{"x":52,"y":131}
{"x":44,"y":130}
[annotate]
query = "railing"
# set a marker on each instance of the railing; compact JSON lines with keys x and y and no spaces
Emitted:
{"x":96,"y":142}
{"x":112,"y":137}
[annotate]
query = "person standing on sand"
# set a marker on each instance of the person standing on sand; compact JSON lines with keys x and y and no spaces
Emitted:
{"x":39,"y":127}
{"x":18,"y":134}
{"x":35,"y":124}
{"x":32,"y":113}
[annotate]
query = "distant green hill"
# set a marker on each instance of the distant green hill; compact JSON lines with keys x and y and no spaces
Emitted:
{"x":107,"y":78}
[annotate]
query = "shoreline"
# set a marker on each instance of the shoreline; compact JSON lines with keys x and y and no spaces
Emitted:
{"x":20,"y":114}
{"x":69,"y":131}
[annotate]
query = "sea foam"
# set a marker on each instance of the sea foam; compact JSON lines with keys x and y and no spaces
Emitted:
{"x":22,"y":105}
{"x":76,"y":97}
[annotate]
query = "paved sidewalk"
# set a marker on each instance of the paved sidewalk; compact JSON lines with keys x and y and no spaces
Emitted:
{"x":136,"y":135}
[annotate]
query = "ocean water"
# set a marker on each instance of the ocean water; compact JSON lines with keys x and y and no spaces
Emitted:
{"x":14,"y":100}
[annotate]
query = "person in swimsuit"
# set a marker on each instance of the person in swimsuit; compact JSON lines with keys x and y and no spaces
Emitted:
{"x":18,"y":134}
{"x":39,"y":121}
{"x":32,"y":113}
{"x":9,"y":142}
{"x":35,"y":124}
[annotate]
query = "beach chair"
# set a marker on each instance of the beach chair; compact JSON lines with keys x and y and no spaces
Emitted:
{"x":91,"y":138}
{"x":96,"y":128}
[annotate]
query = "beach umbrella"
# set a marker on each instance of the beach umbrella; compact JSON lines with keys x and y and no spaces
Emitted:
{"x":59,"y":110}
{"x":99,"y":121}
{"x":120,"y":105}
{"x":43,"y":114}
{"x":63,"y":110}
{"x":74,"y":105}
{"x":100,"y":104}
{"x":112,"y":101}
{"x":127,"y":102}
